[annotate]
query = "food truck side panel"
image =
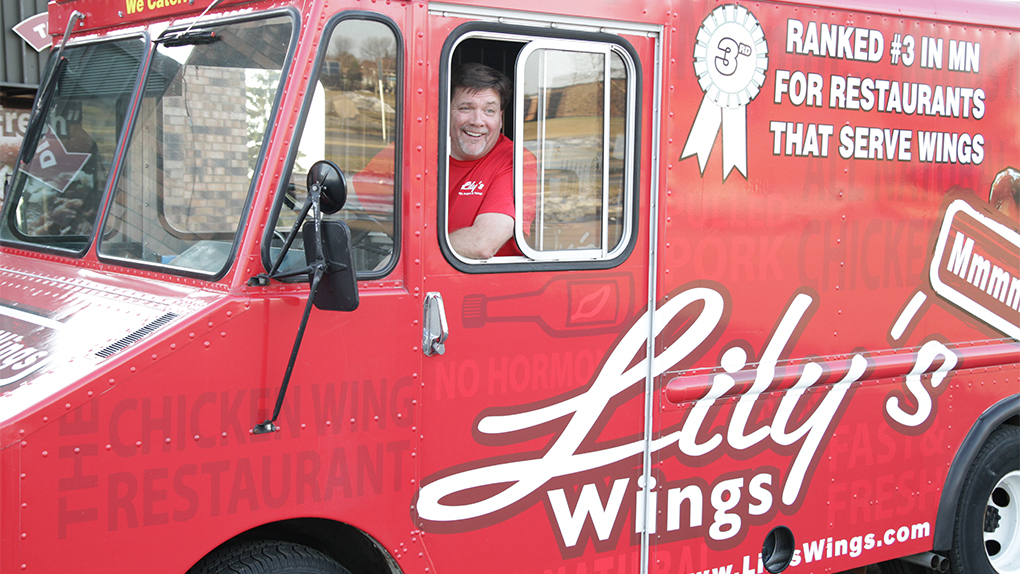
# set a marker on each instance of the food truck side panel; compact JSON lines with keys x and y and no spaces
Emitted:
{"x":803,"y":258}
{"x":820,"y":243}
{"x":165,"y":451}
{"x":816,"y":277}
{"x":525,"y":337}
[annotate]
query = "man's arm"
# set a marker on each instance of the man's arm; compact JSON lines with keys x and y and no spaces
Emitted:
{"x":485,"y":236}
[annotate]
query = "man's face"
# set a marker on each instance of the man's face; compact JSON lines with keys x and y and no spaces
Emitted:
{"x":475,"y":121}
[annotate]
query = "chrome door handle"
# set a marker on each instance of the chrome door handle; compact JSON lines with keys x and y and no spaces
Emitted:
{"x":434,"y":327}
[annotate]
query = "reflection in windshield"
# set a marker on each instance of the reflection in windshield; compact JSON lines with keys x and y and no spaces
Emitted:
{"x":56,"y":197}
{"x":200,"y":129}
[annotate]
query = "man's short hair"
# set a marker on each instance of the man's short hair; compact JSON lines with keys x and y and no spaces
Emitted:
{"x":474,"y":77}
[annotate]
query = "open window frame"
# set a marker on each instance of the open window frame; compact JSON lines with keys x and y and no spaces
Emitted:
{"x":606,"y":252}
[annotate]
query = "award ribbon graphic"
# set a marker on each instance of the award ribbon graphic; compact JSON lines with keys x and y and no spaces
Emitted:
{"x":730,"y":59}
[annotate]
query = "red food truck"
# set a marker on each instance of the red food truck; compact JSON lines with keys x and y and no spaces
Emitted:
{"x":762,"y":315}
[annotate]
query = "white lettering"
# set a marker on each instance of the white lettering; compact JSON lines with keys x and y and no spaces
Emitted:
{"x":588,"y":504}
{"x":926,"y":357}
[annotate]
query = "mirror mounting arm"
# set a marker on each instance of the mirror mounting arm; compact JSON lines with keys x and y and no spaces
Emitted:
{"x":316,"y":270}
{"x":269,"y":425}
{"x":327,"y":193}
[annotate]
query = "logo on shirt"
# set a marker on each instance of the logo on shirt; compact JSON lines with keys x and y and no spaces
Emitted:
{"x":472,"y":188}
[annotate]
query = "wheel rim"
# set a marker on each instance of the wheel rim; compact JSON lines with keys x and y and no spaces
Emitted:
{"x":1001,"y":534}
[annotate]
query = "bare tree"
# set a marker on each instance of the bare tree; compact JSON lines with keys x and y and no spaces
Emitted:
{"x":339,"y":45}
{"x":379,"y":49}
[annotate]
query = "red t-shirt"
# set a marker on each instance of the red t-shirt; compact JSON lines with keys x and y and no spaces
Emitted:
{"x":486,"y":185}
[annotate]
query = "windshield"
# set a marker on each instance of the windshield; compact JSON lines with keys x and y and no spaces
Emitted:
{"x":56,"y":197}
{"x":188,"y":167}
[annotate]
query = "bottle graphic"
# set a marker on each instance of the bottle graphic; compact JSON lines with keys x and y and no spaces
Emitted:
{"x":563,"y":307}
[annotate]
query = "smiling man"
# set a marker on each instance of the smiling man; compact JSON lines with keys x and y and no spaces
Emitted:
{"x":481,"y":196}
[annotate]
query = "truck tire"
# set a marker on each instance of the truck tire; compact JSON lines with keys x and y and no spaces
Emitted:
{"x":267,"y":557}
{"x":986,"y":536}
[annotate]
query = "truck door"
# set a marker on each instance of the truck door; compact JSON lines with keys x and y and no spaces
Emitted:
{"x":532,"y":422}
{"x":360,"y":389}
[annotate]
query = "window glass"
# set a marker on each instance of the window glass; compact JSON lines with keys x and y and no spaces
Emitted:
{"x":57,"y":197}
{"x":200,"y":128}
{"x":573,"y":100}
{"x":352,"y":121}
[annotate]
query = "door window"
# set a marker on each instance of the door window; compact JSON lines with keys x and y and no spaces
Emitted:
{"x":571,"y":122}
{"x":352,"y":121}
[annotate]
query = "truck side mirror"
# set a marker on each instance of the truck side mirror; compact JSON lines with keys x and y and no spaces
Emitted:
{"x":331,"y":184}
{"x":338,"y":290}
{"x":329,"y":242}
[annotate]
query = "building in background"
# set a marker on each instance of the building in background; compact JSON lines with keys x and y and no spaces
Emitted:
{"x":24,"y":49}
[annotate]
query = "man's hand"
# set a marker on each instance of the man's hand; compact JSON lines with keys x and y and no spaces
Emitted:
{"x":485,"y":236}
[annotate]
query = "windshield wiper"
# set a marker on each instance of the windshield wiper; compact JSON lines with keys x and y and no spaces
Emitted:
{"x":187,"y":37}
{"x":36,"y":122}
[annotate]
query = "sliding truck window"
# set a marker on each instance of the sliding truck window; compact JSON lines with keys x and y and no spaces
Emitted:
{"x":583,"y":149}
{"x":352,"y":120}
{"x":573,"y":126}
{"x":55,"y":199}
{"x":208,"y":100}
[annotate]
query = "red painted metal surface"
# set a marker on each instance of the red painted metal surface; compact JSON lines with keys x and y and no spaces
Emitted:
{"x":817,"y":356}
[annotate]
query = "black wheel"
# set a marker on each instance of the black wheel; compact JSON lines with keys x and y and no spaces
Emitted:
{"x":986,"y":536}
{"x":267,"y":557}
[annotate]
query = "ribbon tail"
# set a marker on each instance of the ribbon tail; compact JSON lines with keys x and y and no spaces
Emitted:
{"x":703,"y":132}
{"x":734,"y":140}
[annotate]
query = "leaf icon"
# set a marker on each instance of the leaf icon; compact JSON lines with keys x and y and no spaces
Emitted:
{"x":591,"y":305}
